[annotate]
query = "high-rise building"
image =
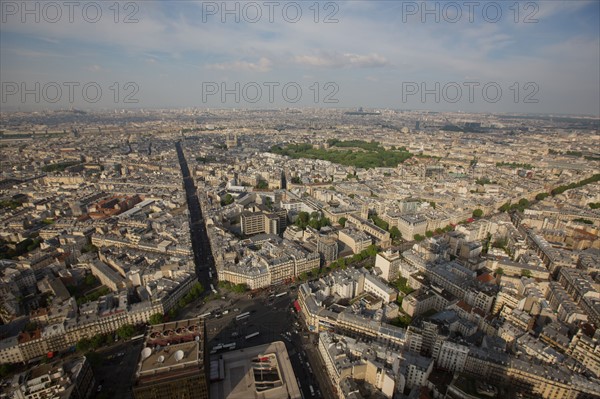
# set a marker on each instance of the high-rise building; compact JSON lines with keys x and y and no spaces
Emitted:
{"x":173,"y":363}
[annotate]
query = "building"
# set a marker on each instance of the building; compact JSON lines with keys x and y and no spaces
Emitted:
{"x":173,"y":362}
{"x":357,"y":240}
{"x":377,"y":287}
{"x":327,"y":248}
{"x":260,"y":372}
{"x":263,"y":222}
{"x":389,"y":264}
{"x":69,"y":380}
{"x":410,"y":225}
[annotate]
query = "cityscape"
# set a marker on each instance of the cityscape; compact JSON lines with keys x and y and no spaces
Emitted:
{"x":273,"y":237}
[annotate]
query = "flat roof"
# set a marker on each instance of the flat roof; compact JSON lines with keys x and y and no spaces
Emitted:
{"x":169,"y":358}
{"x":242,"y":366}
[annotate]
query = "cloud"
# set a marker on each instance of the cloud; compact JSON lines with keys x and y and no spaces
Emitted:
{"x":95,"y":68}
{"x":263,"y":65}
{"x":346,"y":60}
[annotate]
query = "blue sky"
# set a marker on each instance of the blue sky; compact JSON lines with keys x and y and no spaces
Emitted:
{"x":373,"y":56}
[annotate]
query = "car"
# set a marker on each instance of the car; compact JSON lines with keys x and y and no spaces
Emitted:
{"x":236,"y":309}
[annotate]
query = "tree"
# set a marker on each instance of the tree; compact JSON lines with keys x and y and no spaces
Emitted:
{"x":90,"y":279}
{"x":541,"y":196}
{"x":269,"y":203}
{"x":499,"y":271}
{"x":429,"y":233}
{"x":262,"y":185}
{"x":395,"y":233}
{"x":505,"y":207}
{"x":126,"y":331}
{"x":5,"y":369}
{"x":342,"y":221}
{"x":526,"y":273}
{"x":227,"y":199}
{"x":477,"y":213}
{"x":83,"y":345}
{"x":157,"y":318}
{"x":418,"y":237}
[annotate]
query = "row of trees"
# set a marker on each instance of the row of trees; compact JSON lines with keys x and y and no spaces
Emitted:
{"x":561,"y":189}
{"x":314,"y":220}
{"x":395,"y":233}
{"x":96,"y":342}
{"x":524,"y":202}
{"x":342,"y":263}
{"x":519,"y":206}
{"x":237,"y":288}
{"x":429,"y":233}
{"x":193,"y":294}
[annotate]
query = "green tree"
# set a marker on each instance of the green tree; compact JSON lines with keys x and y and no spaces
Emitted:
{"x":526,"y":273}
{"x":5,"y":370}
{"x":499,"y":271}
{"x":269,"y":203}
{"x":262,"y":185}
{"x":395,"y":233}
{"x":429,"y":234}
{"x":227,"y":199}
{"x":157,"y":318}
{"x":418,"y":237}
{"x":126,"y":331}
{"x":90,"y":280}
{"x":505,"y":207}
{"x":83,"y":345}
{"x":541,"y":196}
{"x":477,"y":213}
{"x":342,"y":221}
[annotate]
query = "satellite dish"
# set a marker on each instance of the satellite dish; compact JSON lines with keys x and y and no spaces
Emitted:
{"x":146,"y":352}
{"x":179,"y":355}
{"x":161,"y":359}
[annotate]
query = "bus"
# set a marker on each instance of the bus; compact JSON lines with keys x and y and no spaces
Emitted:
{"x":212,"y":287}
{"x":242,"y":316}
{"x":230,"y":346}
{"x":280,"y":294}
{"x":252,"y":335}
{"x":312,"y":391}
{"x":204,"y":315}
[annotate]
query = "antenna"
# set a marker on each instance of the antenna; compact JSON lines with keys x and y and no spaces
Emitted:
{"x":161,"y":359}
{"x":146,"y":352}
{"x":179,"y":355}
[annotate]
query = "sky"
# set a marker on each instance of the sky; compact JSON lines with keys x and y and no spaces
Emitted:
{"x":470,"y":56}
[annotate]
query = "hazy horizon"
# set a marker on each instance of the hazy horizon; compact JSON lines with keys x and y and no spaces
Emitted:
{"x":473,"y":57}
